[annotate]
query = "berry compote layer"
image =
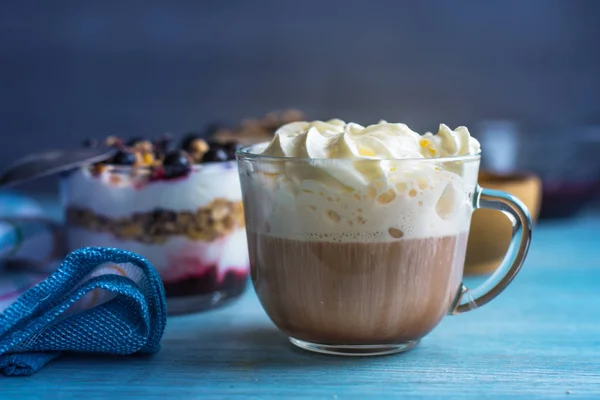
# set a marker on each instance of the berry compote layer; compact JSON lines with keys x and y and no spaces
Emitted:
{"x":179,"y":208}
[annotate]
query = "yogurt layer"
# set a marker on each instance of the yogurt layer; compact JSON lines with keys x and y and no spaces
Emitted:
{"x":178,"y":258}
{"x":119,"y":195}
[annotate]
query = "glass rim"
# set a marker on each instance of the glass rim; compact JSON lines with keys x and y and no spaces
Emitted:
{"x":245,"y":153}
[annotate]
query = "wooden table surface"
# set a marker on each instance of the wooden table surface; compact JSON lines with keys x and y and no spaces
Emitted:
{"x":539,"y":339}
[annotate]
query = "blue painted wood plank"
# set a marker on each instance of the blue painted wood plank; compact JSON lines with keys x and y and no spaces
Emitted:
{"x":539,"y":339}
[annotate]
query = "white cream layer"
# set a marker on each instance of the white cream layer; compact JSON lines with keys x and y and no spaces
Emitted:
{"x":178,"y":257}
{"x":105,"y":196}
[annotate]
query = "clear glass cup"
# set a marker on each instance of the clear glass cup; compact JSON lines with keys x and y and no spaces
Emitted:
{"x":365,"y":257}
{"x":190,"y":228}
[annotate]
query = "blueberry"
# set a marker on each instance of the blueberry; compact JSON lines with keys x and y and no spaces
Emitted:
{"x":176,"y":163}
{"x":231,"y":148}
{"x":216,"y":152}
{"x":123,"y":157}
{"x":176,"y":158}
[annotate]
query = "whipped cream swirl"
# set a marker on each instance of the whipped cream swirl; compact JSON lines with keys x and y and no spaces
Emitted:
{"x":338,"y":181}
{"x":383,"y":141}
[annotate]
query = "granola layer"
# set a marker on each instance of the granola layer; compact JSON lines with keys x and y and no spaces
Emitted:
{"x":215,"y":220}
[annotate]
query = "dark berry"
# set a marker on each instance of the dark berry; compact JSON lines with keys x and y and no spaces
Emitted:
{"x":90,"y":143}
{"x":133,"y":141}
{"x":216,"y":152}
{"x":176,"y":163}
{"x":231,"y":148}
{"x":123,"y":157}
{"x":176,"y":158}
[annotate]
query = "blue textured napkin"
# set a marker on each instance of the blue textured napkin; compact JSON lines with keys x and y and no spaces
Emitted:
{"x":99,"y":300}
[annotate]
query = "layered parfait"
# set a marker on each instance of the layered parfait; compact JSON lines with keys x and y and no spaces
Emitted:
{"x":179,"y":207}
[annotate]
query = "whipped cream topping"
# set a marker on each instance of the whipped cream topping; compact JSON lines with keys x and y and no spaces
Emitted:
{"x":337,"y":181}
{"x":383,"y":141}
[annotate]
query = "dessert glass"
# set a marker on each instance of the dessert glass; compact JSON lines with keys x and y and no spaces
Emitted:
{"x":190,"y":228}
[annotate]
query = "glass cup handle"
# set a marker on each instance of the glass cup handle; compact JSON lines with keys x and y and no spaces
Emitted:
{"x":522,"y":225}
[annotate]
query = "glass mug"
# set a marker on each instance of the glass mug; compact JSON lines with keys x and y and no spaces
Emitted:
{"x":365,"y":257}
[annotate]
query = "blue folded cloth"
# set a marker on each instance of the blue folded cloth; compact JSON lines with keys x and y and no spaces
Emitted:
{"x":100,"y":300}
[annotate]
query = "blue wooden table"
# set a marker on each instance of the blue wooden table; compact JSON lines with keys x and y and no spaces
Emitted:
{"x":540,"y":338}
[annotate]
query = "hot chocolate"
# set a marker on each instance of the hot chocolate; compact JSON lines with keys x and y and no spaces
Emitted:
{"x":357,"y":293}
{"x":357,"y":235}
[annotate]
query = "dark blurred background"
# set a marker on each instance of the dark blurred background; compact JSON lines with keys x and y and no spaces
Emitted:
{"x":77,"y":69}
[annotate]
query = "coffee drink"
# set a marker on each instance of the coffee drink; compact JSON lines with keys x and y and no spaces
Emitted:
{"x":357,"y":293}
{"x":357,"y":236}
